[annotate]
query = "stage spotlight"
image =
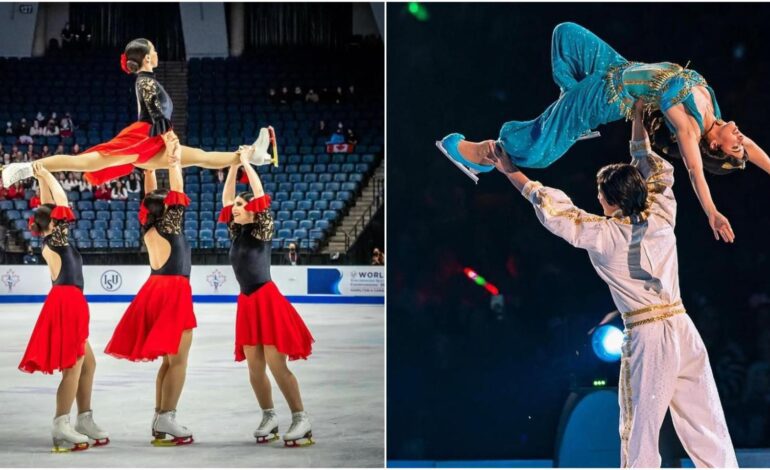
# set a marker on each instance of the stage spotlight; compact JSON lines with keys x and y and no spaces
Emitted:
{"x":607,"y":342}
{"x":418,"y":11}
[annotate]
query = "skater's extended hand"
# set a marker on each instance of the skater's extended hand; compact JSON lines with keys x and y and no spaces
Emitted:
{"x":503,"y":164}
{"x":721,"y":227}
{"x":37,"y":169}
{"x":174,"y":154}
{"x":244,"y":156}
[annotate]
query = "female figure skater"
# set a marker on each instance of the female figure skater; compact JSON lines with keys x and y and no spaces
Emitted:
{"x":665,"y":365}
{"x":599,"y":86}
{"x":142,"y":144}
{"x":60,"y":338}
{"x":267,"y":327}
{"x":160,"y":319}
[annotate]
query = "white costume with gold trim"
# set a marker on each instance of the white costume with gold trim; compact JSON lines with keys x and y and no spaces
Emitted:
{"x":664,"y":364}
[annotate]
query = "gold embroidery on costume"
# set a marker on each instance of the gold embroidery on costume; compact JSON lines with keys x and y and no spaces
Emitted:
{"x":573,"y":213}
{"x":171,"y":223}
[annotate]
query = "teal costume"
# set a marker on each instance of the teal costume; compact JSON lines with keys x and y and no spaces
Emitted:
{"x":598,"y":86}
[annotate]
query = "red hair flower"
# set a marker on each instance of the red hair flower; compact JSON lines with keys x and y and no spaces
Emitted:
{"x":30,"y":223}
{"x":143,"y":214}
{"x":124,"y":63}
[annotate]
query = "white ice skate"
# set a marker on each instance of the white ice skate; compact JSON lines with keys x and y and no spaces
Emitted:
{"x":299,"y":433}
{"x":86,"y":425}
{"x":15,"y":172}
{"x":166,"y":424}
{"x":66,"y":439}
{"x":268,"y":428}
{"x":257,"y":152}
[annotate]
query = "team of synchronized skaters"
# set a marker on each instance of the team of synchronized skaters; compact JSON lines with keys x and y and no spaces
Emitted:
{"x":159,"y":322}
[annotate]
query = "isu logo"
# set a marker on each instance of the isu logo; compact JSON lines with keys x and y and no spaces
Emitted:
{"x":10,"y":279}
{"x":216,"y":279}
{"x":111,"y":280}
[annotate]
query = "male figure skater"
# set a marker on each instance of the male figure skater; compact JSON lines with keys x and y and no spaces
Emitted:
{"x":633,"y":249}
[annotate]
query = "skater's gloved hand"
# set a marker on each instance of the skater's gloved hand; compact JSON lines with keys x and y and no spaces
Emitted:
{"x":503,"y":164}
{"x":721,"y":227}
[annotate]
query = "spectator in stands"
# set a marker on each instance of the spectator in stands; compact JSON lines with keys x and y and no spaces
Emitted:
{"x":66,"y":128}
{"x":16,"y":192}
{"x":339,"y":135}
{"x":220,"y":176}
{"x":22,"y":130}
{"x":378,"y":257}
{"x":134,"y":186}
{"x":284,"y":98}
{"x":3,"y":192}
{"x":30,"y":257}
{"x":34,"y":201}
{"x":59,"y":149}
{"x":83,"y":184}
{"x":272,"y":97}
{"x":312,"y":96}
{"x":45,"y":151}
{"x":51,"y":129}
{"x":119,"y":192}
{"x":17,"y":155}
{"x":67,"y":36}
{"x":321,"y":130}
{"x":70,"y":183}
{"x":297,"y":98}
{"x":6,"y":158}
{"x":102,"y":192}
{"x":41,"y":120}
{"x":83,"y":37}
{"x":292,"y":256}
{"x":352,"y":93}
{"x":75,"y":149}
{"x":9,"y":130}
{"x":35,"y":130}
{"x":350,"y":137}
{"x":339,"y":96}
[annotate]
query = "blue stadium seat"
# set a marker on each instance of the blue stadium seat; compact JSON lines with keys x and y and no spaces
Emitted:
{"x":295,"y":178}
{"x":312,"y":196}
{"x":87,"y":215}
{"x":341,"y":177}
{"x":321,"y":205}
{"x":347,"y":168}
{"x":338,"y":158}
{"x":300,"y":233}
{"x":20,"y":224}
{"x":288,"y":205}
{"x":314,"y":215}
{"x":298,"y":215}
{"x":133,"y":197}
{"x":362,"y":168}
{"x":306,"y":224}
{"x":208,"y":225}
{"x":208,"y":188}
{"x":368,"y":158}
{"x":356,"y":177}
{"x":84,"y":224}
{"x":132,"y":223}
{"x":6,"y":205}
{"x":281,"y":196}
{"x":85,"y":205}
{"x":325,"y":177}
{"x":206,"y":215}
{"x":333,"y":186}
{"x":285,"y":187}
{"x":205,"y":234}
{"x":13,"y":214}
{"x":297,"y":195}
{"x":117,"y":224}
{"x":284,"y":233}
{"x":323,"y":225}
{"x":73,"y":196}
{"x":84,"y":244}
{"x":333,"y":168}
{"x":98,"y":234}
{"x":86,"y":196}
{"x":309,"y":178}
{"x":191,"y":225}
{"x":101,"y":205}
{"x":118,"y":215}
{"x":290,"y":224}
{"x":118,"y":205}
{"x":192,"y":188}
{"x":101,"y":224}
{"x":191,"y":235}
{"x":353,"y":187}
{"x":114,"y":234}
{"x":132,"y":205}
{"x":131,"y":235}
{"x":284,"y":215}
{"x":207,"y":206}
{"x":79,"y":234}
{"x":344,"y":196}
{"x":207,"y":197}
{"x":21,"y":205}
{"x":316,"y":187}
{"x":300,"y":187}
{"x":330,"y":215}
{"x":277,"y":243}
{"x":304,"y":205}
{"x":316,"y":234}
{"x":327,"y":196}
{"x":222,"y":234}
{"x":337,"y":205}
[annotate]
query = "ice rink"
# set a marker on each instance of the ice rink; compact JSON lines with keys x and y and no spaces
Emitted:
{"x":342,"y":386}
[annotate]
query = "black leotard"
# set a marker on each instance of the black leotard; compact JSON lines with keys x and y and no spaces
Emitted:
{"x":250,"y":251}
{"x":155,"y":106}
{"x":170,"y":228}
{"x":71,"y":273}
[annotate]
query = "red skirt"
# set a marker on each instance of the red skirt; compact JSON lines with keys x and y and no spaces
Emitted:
{"x":133,"y":140}
{"x":153,"y":324}
{"x":60,"y":334}
{"x":266,"y":317}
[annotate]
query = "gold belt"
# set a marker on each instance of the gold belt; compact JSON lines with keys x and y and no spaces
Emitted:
{"x":659,"y":312}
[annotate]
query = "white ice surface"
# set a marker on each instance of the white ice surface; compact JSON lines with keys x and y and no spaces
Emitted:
{"x":342,"y":386}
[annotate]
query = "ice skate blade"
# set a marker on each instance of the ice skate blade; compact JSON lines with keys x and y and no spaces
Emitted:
{"x":58,"y":449}
{"x":267,"y":439}
{"x":304,"y":441}
{"x":470,"y":173}
{"x":590,"y":135}
{"x":273,"y":143}
{"x":177,"y":441}
{"x":101,"y":442}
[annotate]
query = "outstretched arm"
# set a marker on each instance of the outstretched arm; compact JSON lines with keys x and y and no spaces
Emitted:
{"x":688,"y":147}
{"x":175,"y":178}
{"x":45,"y":192}
{"x":46,"y":178}
{"x":555,"y":209}
{"x":228,"y":193}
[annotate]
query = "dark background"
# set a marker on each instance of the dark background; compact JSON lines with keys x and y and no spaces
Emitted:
{"x":465,"y":382}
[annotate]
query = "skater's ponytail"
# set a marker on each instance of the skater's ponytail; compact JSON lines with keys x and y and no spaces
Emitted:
{"x":664,"y":142}
{"x":136,"y":50}
{"x":623,"y":185}
{"x":153,"y":207}
{"x":41,"y":219}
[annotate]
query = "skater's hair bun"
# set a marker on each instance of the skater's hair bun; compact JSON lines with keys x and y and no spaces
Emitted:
{"x":42,"y":218}
{"x":154,"y":203}
{"x":135,"y":52}
{"x":623,"y":185}
{"x":664,"y":142}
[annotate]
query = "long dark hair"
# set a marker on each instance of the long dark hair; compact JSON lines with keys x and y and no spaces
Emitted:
{"x":135,"y":52}
{"x":664,"y":142}
{"x":42,"y":218}
{"x":154,"y":203}
{"x":623,"y":186}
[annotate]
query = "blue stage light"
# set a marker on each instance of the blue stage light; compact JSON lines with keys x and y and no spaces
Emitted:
{"x":607,"y":342}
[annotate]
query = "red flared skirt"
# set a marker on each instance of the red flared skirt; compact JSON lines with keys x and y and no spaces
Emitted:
{"x":153,"y":323}
{"x":60,"y":334}
{"x":266,"y":317}
{"x":133,"y":140}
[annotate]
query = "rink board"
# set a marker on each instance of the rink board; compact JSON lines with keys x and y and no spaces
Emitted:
{"x":210,"y":283}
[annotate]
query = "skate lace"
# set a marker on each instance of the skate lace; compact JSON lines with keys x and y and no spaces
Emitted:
{"x":295,"y":422}
{"x":265,"y":420}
